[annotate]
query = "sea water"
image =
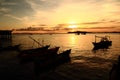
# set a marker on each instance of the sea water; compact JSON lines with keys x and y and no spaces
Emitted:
{"x":84,"y":60}
{"x":81,"y":45}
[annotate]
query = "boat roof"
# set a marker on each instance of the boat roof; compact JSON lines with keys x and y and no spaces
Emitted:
{"x":102,"y":36}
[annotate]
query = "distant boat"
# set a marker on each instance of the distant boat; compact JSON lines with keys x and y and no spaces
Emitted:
{"x":78,"y":32}
{"x":105,"y":42}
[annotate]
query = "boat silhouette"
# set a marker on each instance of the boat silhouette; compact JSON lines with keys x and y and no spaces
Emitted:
{"x":105,"y":42}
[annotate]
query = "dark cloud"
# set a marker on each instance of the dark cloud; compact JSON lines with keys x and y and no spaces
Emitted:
{"x":118,"y":1}
{"x":45,"y":5}
{"x":100,"y":22}
{"x":114,"y":21}
{"x":18,"y":8}
{"x":59,"y":26}
{"x":91,"y":23}
{"x":113,"y":27}
{"x":103,"y":27}
{"x":4,"y":11}
{"x":118,"y":22}
{"x":43,"y":25}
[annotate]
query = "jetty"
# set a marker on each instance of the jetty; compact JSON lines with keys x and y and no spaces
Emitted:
{"x":6,"y":34}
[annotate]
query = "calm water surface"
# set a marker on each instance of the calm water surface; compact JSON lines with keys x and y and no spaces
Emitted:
{"x":81,"y":45}
{"x":96,"y":63}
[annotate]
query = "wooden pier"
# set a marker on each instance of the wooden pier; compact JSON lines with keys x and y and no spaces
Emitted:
{"x":5,"y":34}
{"x":5,"y":38}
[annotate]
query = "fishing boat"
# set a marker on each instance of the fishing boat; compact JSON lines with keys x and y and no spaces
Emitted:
{"x":51,"y":62}
{"x":32,"y":51}
{"x":114,"y":73}
{"x":40,"y":56}
{"x":104,"y":42}
{"x":63,"y":57}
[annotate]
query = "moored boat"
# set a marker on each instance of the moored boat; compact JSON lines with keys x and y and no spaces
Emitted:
{"x":105,"y":42}
{"x":41,"y":55}
{"x":63,"y":57}
{"x":51,"y":62}
{"x":32,"y":51}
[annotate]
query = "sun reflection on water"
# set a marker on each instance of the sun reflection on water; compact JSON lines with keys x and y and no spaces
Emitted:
{"x":72,"y":40}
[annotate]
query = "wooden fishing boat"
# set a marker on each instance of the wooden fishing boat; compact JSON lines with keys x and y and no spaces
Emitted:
{"x":63,"y":57}
{"x":105,"y":42}
{"x":49,"y":53}
{"x":32,"y":51}
{"x":41,"y":55}
{"x":51,"y":62}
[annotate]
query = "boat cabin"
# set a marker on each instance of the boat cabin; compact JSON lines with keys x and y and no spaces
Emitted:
{"x":104,"y":38}
{"x":105,"y":42}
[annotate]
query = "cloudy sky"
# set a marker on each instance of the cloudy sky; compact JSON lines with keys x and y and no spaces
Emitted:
{"x":81,"y":14}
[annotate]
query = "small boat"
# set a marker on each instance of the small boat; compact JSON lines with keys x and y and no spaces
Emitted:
{"x":63,"y":57}
{"x":32,"y":51}
{"x":51,"y":62}
{"x":39,"y":56}
{"x":105,"y":42}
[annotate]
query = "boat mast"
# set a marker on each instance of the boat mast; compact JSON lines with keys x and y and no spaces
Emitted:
{"x":35,"y":41}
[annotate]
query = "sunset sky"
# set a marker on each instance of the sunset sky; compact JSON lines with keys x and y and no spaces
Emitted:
{"x":89,"y":15}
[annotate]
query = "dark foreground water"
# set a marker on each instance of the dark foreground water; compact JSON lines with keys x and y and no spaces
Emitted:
{"x":86,"y":64}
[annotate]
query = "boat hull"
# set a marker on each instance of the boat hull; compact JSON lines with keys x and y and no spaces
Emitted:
{"x":104,"y":44}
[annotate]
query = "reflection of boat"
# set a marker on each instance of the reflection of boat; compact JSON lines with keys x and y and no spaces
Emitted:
{"x":105,"y":42}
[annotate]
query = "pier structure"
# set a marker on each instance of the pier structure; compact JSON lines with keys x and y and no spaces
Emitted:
{"x":6,"y":34}
{"x":5,"y":38}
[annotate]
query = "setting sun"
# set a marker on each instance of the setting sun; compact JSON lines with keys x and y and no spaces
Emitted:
{"x":72,"y":26}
